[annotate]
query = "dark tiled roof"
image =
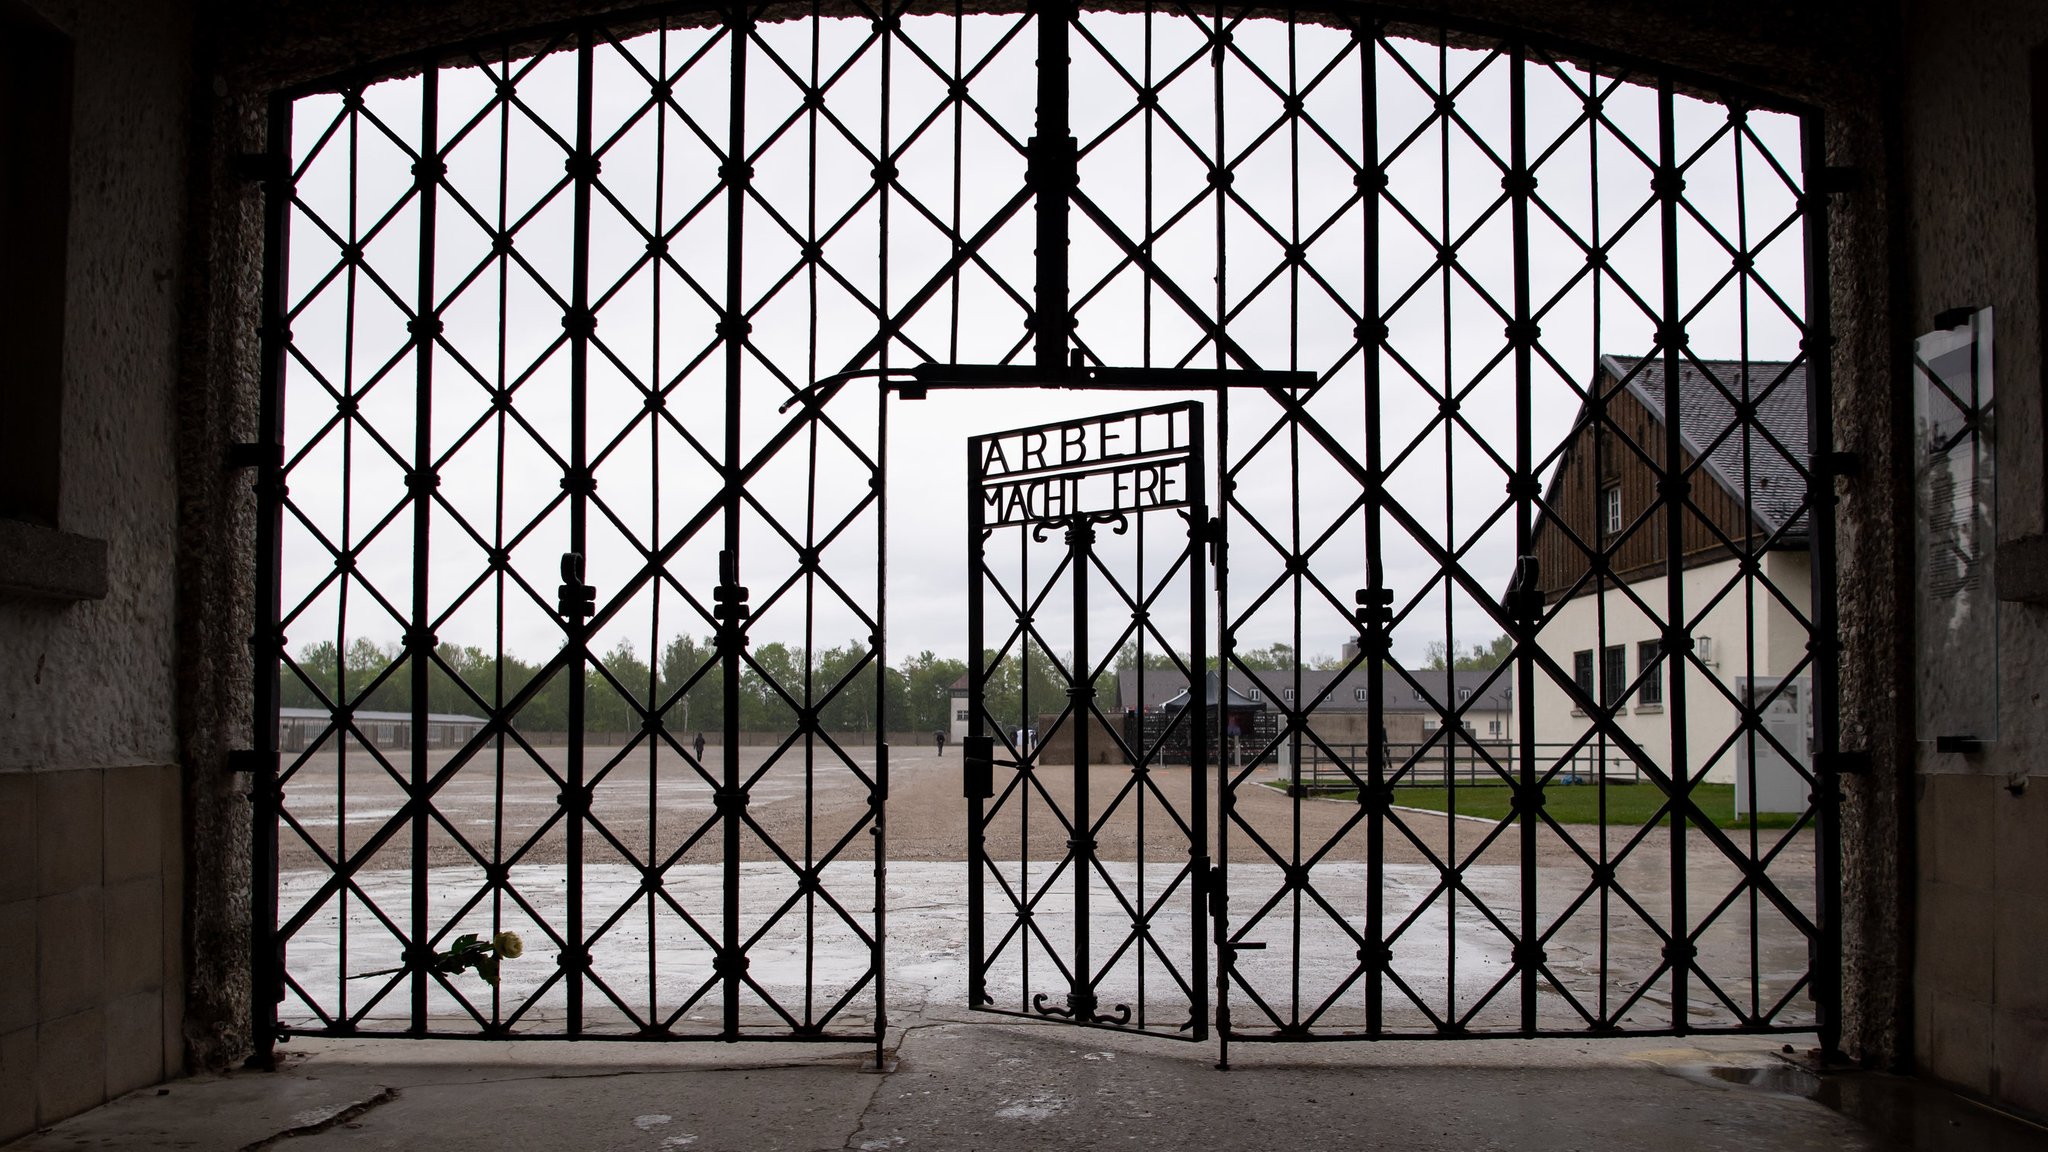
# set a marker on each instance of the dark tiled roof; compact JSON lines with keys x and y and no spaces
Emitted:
{"x":1705,"y":412}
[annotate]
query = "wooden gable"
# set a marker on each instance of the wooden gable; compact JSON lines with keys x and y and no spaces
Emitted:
{"x":1626,"y":452}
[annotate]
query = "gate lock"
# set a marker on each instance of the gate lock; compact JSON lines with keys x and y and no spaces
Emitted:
{"x":977,"y":767}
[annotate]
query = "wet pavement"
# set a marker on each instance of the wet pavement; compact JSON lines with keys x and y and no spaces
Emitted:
{"x":1450,"y":892}
{"x":954,"y":1079}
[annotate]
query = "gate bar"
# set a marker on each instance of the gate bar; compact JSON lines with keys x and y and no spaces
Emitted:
{"x":266,"y":964}
{"x":932,"y":375}
{"x":1052,"y":172}
{"x":419,"y":644}
{"x":1080,"y":694}
{"x":1826,"y":966}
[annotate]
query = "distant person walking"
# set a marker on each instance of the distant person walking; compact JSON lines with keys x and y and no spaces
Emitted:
{"x":939,"y":738}
{"x":697,"y":746}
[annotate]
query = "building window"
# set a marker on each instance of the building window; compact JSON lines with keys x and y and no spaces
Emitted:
{"x":1610,"y":509}
{"x":1429,"y":723}
{"x":1582,"y":671}
{"x":1613,"y":674}
{"x":1493,"y":728}
{"x":1287,"y":694}
{"x":35,"y":206}
{"x":962,"y":714}
{"x":1417,"y":693}
{"x":1464,"y":694}
{"x":1652,"y":691}
{"x":1358,"y":695}
{"x":1254,"y":695}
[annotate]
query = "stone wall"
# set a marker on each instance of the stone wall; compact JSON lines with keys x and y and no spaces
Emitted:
{"x":1980,"y":1017}
{"x":91,"y":850}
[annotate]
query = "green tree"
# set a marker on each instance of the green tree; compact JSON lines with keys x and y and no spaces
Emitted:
{"x":1478,"y":658}
{"x":690,"y":666}
{"x":1008,"y":700}
{"x":927,"y":692}
{"x":1275,"y":657}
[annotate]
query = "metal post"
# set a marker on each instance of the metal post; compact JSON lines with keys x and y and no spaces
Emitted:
{"x":1378,"y":600}
{"x":1679,"y":952}
{"x":1198,"y":748}
{"x":1052,"y":176}
{"x":733,"y":633}
{"x":266,"y":961}
{"x":418,"y":641}
{"x":1081,"y":997}
{"x":1530,"y":956}
{"x":971,"y":747}
{"x":1826,"y":965}
{"x":577,"y":322}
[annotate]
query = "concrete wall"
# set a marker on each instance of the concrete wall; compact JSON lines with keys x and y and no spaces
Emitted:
{"x":1980,"y":982}
{"x":91,"y":850}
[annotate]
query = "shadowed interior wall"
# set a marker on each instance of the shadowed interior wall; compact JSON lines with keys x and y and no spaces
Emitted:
{"x":91,"y":849}
{"x":1980,"y":981}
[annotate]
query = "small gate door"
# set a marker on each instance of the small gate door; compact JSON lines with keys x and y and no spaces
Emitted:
{"x":1087,"y":757}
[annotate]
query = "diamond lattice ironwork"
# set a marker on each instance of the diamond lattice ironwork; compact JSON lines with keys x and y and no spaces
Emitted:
{"x":568,"y":461}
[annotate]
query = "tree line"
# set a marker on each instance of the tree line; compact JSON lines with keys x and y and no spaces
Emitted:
{"x":621,"y":686}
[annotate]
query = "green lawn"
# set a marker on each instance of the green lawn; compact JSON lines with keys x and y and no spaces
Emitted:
{"x":1627,"y":804}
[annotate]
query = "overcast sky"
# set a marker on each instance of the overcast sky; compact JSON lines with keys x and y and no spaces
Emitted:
{"x":656,"y":326}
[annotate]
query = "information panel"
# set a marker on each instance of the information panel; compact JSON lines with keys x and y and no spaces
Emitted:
{"x":1955,"y":433}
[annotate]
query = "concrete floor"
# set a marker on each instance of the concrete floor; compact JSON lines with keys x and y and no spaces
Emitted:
{"x":981,"y":1084}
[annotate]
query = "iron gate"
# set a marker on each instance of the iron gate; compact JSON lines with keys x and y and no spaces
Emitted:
{"x":1138,"y":475}
{"x":563,"y":435}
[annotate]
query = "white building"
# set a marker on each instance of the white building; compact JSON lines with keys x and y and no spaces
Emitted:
{"x":1747,"y":497}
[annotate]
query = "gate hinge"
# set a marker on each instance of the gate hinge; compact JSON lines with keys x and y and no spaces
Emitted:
{"x":1838,"y":180}
{"x":1843,"y":763}
{"x":262,"y":167}
{"x":243,"y":454}
{"x":268,"y":462}
{"x":251,"y":760}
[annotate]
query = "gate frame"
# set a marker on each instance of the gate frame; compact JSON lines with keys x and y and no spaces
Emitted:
{"x":265,"y":457}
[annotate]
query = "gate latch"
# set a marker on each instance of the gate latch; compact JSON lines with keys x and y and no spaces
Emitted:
{"x":729,"y":602}
{"x":977,"y":767}
{"x":575,"y":600}
{"x":1210,"y":532}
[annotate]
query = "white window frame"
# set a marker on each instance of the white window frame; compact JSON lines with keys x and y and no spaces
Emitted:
{"x":1610,"y":508}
